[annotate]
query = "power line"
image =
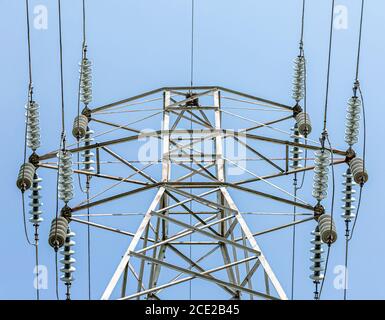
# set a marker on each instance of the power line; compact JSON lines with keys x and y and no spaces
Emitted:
{"x":61,"y":69}
{"x":355,"y":88}
{"x":192,"y":43}
{"x":325,"y":138}
{"x":329,"y":65}
{"x":295,"y":180}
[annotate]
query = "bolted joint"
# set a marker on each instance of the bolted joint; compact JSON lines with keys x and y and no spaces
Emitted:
{"x":192,"y":103}
{"x":66,"y":212}
{"x":350,"y":155}
{"x":87,"y":112}
{"x":319,"y":210}
{"x":356,"y":87}
{"x":296,"y":110}
{"x":34,"y":159}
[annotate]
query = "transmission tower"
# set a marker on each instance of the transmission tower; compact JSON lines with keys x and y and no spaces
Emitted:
{"x":194,"y":181}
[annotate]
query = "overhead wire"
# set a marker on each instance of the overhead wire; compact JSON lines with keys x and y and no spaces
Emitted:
{"x":295,"y":179}
{"x":357,"y":87}
{"x":325,"y":138}
{"x":191,"y":127}
{"x":88,"y":178}
{"x":29,"y":101}
{"x":62,"y":144}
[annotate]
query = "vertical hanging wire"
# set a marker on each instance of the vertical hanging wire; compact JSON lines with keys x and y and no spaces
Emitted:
{"x":357,"y":86}
{"x":328,"y":67}
{"x":191,"y":126}
{"x":293,"y":237}
{"x":192,"y":43}
{"x":88,"y":238}
{"x":88,"y":178}
{"x":83,"y":56}
{"x":62,"y":144}
{"x":30,"y":100}
{"x":325,"y":138}
{"x":295,"y":180}
{"x":302,"y":53}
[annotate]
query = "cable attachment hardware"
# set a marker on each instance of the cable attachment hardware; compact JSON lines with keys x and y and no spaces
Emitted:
{"x":321,"y":174}
{"x":327,"y":229}
{"x":304,"y":123}
{"x":58,"y":232}
{"x":296,"y":151}
{"x":65,"y":183}
{"x":360,"y":174}
{"x":299,"y":78}
{"x":25,"y":177}
{"x":35,"y":203}
{"x":348,"y":199}
{"x":33,"y":125}
{"x":79,"y":128}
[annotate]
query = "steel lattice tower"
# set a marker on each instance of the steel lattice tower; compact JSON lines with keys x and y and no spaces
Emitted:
{"x":202,"y":193}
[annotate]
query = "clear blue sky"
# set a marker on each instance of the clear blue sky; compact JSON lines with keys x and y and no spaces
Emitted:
{"x":136,"y":46}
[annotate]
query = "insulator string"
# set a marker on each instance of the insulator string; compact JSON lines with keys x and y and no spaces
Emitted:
{"x":331,"y":214}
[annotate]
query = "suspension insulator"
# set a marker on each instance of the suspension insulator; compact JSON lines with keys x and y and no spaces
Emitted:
{"x":321,"y":174}
{"x":68,"y":259}
{"x":65,"y":186}
{"x":304,"y":123}
{"x":359,"y":173}
{"x":35,"y":203}
{"x":86,"y":81}
{"x":299,"y":78}
{"x":296,"y":151}
{"x":353,"y":121}
{"x":88,"y":155}
{"x":25,"y":178}
{"x":79,"y":128}
{"x":348,"y":199}
{"x":317,"y":260}
{"x":58,"y":232}
{"x":327,"y":229}
{"x":33,"y":125}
